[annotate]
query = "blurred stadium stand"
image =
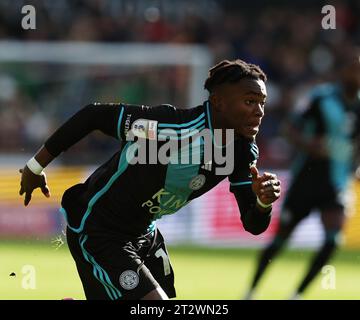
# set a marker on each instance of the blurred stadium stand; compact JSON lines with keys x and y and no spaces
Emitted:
{"x":284,"y":38}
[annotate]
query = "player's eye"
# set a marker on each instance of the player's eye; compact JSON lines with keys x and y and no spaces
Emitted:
{"x":250,"y":102}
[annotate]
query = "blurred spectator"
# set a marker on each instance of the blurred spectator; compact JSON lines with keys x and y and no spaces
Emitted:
{"x":285,"y":39}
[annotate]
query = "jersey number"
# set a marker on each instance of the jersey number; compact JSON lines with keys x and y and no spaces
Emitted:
{"x":161,"y":253}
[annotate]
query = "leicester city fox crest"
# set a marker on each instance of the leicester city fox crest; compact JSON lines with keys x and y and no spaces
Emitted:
{"x":129,"y":279}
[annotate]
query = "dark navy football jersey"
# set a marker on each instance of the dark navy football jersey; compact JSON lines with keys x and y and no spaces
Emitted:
{"x":329,"y":116}
{"x":126,"y":197}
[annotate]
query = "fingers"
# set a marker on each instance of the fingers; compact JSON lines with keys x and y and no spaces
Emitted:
{"x":254,"y":173}
{"x":21,"y":191}
{"x":269,"y":176}
{"x":273,"y":183}
{"x":265,"y":177}
{"x":45,"y":190}
{"x":269,"y":200}
{"x":27,"y":198}
{"x":28,"y":184}
{"x":27,"y":195}
{"x":270,"y":185}
{"x":270,"y":190}
{"x":270,"y":195}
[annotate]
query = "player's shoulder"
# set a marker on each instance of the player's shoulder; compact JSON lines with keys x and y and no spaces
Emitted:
{"x":180,"y":117}
{"x":182,"y":109}
{"x":142,"y":118}
{"x":325,"y":90}
{"x":105,"y":104}
{"x":310,"y":100}
{"x":167,"y":106}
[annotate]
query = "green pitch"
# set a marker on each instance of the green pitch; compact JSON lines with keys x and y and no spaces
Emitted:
{"x":30,"y":270}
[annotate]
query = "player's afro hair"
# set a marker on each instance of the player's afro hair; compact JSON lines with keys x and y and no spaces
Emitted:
{"x":228,"y":71}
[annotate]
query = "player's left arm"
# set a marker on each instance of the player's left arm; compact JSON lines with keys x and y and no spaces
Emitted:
{"x":254,"y":193}
{"x":255,"y":200}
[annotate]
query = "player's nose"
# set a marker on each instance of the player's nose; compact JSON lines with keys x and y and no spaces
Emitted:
{"x":259,"y":110}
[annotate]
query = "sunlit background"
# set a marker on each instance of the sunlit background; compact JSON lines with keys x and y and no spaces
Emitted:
{"x":153,"y":52}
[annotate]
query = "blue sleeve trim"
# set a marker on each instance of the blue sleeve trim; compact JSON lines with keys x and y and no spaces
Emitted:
{"x":240,"y":183}
{"x":119,"y":123}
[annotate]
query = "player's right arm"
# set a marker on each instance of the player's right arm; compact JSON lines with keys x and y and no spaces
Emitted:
{"x":92,"y":117}
{"x":113,"y":119}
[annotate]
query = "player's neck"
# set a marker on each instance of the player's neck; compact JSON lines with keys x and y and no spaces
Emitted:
{"x":219,"y":122}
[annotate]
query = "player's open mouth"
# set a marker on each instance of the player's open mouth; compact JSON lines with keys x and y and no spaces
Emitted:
{"x":252,"y":129}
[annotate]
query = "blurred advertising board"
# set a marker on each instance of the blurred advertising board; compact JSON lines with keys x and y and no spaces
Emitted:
{"x":212,"y":219}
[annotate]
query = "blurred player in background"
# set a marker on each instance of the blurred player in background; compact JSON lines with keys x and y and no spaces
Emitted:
{"x":327,"y":136}
{"x":119,"y":252}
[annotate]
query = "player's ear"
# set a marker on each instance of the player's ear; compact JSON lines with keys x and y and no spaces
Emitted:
{"x":216,"y":101}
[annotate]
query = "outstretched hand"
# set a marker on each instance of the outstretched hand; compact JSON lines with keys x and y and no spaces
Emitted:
{"x":31,"y":181}
{"x":266,"y":186}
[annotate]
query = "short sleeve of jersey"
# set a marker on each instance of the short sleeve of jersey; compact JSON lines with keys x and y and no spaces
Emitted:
{"x":246,"y":155}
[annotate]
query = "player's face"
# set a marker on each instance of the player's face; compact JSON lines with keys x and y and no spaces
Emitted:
{"x":242,"y":105}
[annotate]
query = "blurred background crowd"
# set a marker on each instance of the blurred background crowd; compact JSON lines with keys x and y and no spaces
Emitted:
{"x":284,"y":37}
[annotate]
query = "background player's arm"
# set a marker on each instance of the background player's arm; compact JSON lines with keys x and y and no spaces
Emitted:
{"x":314,"y":146}
{"x":293,"y":131}
{"x":88,"y":119}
